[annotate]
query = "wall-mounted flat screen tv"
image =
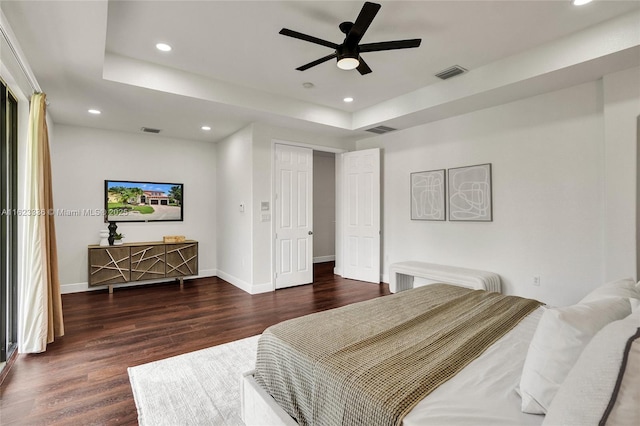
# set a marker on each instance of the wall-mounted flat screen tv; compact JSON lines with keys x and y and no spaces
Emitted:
{"x":130,"y":201}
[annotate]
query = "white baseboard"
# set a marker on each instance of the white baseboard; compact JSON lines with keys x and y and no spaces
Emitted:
{"x":241,"y":284}
{"x":245,"y":286}
{"x":207,"y":273}
{"x":384,"y":278}
{"x":262,"y":288}
{"x":84,"y":286}
{"x":322,"y":259}
{"x":77,"y":288}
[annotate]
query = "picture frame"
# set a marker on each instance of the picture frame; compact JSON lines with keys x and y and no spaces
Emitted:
{"x":470,"y":193}
{"x":428,"y":201}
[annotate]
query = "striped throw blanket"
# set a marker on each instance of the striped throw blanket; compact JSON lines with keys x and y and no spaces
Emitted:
{"x":371,"y":362}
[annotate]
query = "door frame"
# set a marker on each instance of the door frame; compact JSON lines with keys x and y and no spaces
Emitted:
{"x":338,"y":200}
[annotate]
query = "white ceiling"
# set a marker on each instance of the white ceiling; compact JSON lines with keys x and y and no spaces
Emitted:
{"x":230,"y":67}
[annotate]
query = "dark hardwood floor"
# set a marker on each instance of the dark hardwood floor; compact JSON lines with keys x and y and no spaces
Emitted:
{"x":82,"y":377}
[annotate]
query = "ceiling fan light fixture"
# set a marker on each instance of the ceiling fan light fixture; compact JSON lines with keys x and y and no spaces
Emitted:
{"x":163,"y":47}
{"x":348,"y":63}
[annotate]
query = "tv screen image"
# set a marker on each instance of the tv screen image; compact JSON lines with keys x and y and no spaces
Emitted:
{"x":131,"y":201}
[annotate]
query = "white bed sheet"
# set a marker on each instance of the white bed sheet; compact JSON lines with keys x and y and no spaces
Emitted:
{"x":483,"y":393}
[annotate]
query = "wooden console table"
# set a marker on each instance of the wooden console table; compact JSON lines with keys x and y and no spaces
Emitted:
{"x":133,"y":262}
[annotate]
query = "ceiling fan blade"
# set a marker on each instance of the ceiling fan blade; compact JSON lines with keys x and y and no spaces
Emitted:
{"x":390,"y":45}
{"x":317,"y":62}
{"x":308,"y":38}
{"x":364,"y":19}
{"x":363,"y":68}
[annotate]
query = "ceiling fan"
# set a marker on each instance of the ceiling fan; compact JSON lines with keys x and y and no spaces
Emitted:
{"x":348,"y":53}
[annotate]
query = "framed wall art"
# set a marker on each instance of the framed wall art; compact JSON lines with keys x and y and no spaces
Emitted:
{"x":428,"y":195}
{"x":470,"y":193}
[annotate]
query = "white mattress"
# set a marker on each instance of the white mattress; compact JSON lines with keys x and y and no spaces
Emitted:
{"x":483,"y":393}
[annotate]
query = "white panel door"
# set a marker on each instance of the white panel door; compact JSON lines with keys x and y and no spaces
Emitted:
{"x":362,"y":215}
{"x":294,"y":215}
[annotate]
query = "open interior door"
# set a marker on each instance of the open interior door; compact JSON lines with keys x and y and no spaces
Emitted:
{"x":362,"y":215}
{"x":293,"y":215}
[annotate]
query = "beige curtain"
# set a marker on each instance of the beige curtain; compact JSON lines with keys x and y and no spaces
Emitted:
{"x":40,"y":301}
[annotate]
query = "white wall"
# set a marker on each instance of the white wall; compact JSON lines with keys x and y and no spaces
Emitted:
{"x":564,"y":195}
{"x":263,"y":138}
{"x":548,"y":186}
{"x":245,"y":162}
{"x":324,"y":206}
{"x":234,"y":175}
{"x":82,"y":158}
{"x":621,"y":96}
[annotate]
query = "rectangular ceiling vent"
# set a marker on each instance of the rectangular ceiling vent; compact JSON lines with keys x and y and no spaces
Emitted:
{"x":150,"y":130}
{"x":381,"y":129}
{"x":451,"y":72}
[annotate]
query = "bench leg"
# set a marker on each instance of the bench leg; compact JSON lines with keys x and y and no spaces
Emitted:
{"x":403,"y":282}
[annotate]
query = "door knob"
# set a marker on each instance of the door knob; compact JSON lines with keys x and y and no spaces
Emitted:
{"x":310,"y":232}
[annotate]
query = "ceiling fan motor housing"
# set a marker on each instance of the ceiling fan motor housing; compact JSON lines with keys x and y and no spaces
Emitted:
{"x":345,"y":27}
{"x":344,"y":51}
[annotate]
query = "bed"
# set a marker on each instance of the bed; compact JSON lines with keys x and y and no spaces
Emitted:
{"x":297,"y":381}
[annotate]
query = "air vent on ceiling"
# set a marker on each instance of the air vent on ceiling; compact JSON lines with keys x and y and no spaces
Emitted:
{"x":150,"y":130}
{"x":381,"y":129}
{"x":451,"y":72}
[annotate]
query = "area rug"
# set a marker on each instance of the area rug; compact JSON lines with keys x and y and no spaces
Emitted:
{"x":197,"y":388}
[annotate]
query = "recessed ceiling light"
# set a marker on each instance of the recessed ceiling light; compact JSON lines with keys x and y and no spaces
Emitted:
{"x":163,"y":47}
{"x":580,"y":2}
{"x":348,"y":99}
{"x":94,"y":111}
{"x":205,"y":128}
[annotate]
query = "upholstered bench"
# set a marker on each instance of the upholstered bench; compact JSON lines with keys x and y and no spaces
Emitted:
{"x":401,"y":275}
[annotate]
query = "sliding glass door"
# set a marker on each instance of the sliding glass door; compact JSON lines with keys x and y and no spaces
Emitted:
{"x":8,"y":222}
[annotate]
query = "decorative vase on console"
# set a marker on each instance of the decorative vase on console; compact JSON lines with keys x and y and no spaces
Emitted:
{"x":104,"y":237}
{"x":112,"y":232}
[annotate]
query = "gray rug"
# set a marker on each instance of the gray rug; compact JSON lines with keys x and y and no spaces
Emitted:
{"x":197,"y":388}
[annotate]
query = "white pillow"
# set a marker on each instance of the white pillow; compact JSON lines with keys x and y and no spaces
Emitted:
{"x":620,"y":288}
{"x":560,"y":337}
{"x":623,"y":407}
{"x":590,"y":387}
